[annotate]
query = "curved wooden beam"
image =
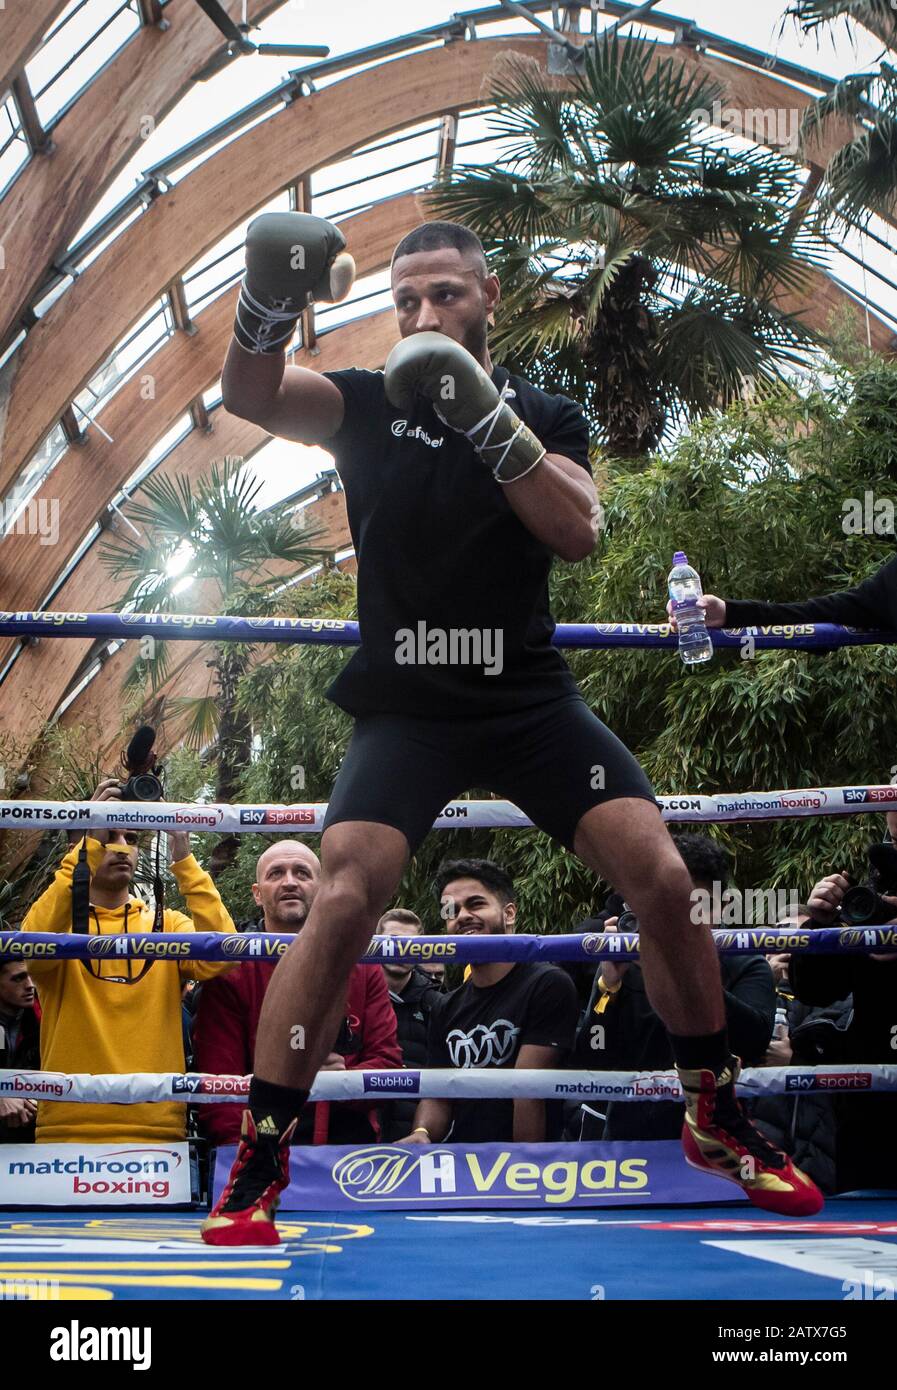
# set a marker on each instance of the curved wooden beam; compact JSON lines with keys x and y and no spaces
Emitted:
{"x":373,"y":234}
{"x":96,"y":705}
{"x":52,"y":365}
{"x":42,"y":674}
{"x":22,"y":26}
{"x":53,"y":196}
{"x":86,"y":478}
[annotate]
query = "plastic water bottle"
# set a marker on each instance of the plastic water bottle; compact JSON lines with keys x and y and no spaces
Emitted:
{"x":684,"y":584}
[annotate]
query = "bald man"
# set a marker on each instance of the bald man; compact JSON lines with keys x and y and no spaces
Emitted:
{"x":287,"y":879}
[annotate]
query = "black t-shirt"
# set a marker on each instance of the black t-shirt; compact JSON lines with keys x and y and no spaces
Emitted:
{"x":471,"y":1027}
{"x":449,"y":578}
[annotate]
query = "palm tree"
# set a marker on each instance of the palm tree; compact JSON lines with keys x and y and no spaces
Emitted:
{"x":861,"y":177}
{"x":642,"y":262}
{"x":878,"y":16}
{"x":242,"y":557}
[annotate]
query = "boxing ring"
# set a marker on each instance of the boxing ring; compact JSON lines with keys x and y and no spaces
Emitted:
{"x":595,"y":1245}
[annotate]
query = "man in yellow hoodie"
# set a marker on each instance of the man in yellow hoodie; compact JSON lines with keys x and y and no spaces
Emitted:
{"x":110,"y":1013}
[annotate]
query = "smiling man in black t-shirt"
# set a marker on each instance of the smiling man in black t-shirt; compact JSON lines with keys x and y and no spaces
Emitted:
{"x":504,"y":1015}
{"x":462,"y":484}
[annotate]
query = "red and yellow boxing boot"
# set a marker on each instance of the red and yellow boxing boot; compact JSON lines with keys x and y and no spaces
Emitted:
{"x":244,"y":1213}
{"x":719,"y":1138}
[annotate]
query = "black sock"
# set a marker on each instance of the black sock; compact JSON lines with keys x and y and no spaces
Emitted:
{"x":272,"y":1103}
{"x":706,"y":1050}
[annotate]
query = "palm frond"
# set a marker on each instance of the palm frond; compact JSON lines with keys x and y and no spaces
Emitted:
{"x":533,"y":325}
{"x":535,"y":119}
{"x":204,"y":714}
{"x":714,"y":343}
{"x":495,"y":202}
{"x":170,"y":506}
{"x":849,"y":98}
{"x":151,"y":670}
{"x":877,"y":15}
{"x":861,"y":178}
{"x":631,"y":73}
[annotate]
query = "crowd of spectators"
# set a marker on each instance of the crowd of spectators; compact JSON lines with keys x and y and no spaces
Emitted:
{"x":110,"y":1014}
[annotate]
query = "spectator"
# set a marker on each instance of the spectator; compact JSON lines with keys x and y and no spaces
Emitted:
{"x":436,"y":971}
{"x":287,"y":878}
{"x":505,"y":1015}
{"x":871,"y":604}
{"x":621,"y":1032}
{"x":115,"y":1014}
{"x":412,"y":995}
{"x":19,"y":1047}
{"x":863,"y":1154}
{"x":803,"y":1124}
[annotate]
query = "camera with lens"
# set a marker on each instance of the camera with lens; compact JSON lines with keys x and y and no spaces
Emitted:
{"x":865,"y":905}
{"x":144,"y":773}
{"x":627,"y":921}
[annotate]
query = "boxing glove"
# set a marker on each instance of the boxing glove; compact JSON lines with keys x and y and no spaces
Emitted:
{"x":465,"y":399}
{"x":291,"y":259}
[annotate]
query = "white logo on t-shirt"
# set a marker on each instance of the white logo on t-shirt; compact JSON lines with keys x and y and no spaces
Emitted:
{"x":483,"y":1046}
{"x":400,"y":429}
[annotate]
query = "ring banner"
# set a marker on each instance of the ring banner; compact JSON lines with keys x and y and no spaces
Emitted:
{"x":420,"y":950}
{"x":308,"y":817}
{"x":193,"y":627}
{"x":553,"y":1177}
{"x":94,"y":1175}
{"x":470,"y":1083}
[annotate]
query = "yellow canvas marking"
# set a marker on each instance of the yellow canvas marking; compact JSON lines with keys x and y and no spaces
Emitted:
{"x":17,"y":1267}
{"x":166,"y":1281}
{"x":320,"y":1234}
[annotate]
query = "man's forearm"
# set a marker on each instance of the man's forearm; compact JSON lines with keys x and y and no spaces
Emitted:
{"x":557,"y":507}
{"x":250,"y":381}
{"x":529,"y":1121}
{"x":434,"y":1116}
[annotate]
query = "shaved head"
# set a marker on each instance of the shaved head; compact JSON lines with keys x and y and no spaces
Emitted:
{"x":287,"y":876}
{"x":288,"y":849}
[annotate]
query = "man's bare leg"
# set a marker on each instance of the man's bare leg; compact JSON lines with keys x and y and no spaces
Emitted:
{"x":361,"y":866}
{"x":629,"y":845}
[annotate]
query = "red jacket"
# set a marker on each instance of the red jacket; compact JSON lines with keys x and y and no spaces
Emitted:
{"x":227,"y":1022}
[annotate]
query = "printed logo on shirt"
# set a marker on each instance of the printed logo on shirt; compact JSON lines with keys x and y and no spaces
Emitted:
{"x":401,"y":431}
{"x":483,"y":1046}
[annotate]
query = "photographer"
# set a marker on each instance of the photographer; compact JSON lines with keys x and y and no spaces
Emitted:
{"x":113,"y":1013}
{"x":863,"y":1154}
{"x":803,"y":1125}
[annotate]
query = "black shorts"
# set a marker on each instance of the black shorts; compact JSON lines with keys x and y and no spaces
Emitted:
{"x":555,"y":761}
